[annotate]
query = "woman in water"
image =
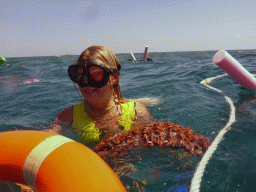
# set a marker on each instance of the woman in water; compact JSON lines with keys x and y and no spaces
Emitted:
{"x":103,"y":112}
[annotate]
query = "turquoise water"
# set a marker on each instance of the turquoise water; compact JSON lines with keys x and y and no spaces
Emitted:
{"x":33,"y":90}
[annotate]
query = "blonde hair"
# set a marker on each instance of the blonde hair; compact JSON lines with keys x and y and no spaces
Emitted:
{"x":106,"y":57}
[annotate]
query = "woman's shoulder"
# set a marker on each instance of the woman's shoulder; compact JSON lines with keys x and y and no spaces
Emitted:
{"x":142,"y":113}
{"x":141,"y":109}
{"x":66,"y":114}
{"x":62,"y":121}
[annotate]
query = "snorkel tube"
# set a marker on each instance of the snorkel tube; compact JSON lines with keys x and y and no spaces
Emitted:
{"x":133,"y":57}
{"x":145,"y":53}
{"x":2,"y":60}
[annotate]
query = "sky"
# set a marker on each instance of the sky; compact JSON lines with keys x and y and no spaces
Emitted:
{"x":59,"y":27}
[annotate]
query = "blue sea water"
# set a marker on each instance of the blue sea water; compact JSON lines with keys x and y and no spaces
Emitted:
{"x":33,"y":90}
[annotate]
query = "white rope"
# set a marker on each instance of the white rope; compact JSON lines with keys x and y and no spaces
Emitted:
{"x":197,"y":178}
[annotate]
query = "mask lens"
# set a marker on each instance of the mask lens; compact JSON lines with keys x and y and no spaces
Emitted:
{"x":97,"y":73}
{"x":75,"y":73}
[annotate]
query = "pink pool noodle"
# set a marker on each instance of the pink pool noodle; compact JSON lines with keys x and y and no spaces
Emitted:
{"x":234,"y":69}
{"x":145,"y":53}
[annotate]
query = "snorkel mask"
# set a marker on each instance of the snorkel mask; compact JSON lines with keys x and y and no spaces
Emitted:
{"x":90,"y":73}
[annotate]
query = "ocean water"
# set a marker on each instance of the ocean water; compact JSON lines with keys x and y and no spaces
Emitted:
{"x":33,"y":90}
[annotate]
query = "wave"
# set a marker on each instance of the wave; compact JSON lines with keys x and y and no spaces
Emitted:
{"x":248,"y":55}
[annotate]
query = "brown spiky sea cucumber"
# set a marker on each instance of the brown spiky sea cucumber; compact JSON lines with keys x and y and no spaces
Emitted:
{"x":162,"y":134}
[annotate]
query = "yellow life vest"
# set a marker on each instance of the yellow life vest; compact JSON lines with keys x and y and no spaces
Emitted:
{"x":84,"y":126}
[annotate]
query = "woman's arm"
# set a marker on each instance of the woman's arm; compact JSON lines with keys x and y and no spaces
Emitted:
{"x":62,"y":121}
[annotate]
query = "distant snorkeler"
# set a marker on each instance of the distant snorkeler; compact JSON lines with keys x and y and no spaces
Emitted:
{"x":149,"y":59}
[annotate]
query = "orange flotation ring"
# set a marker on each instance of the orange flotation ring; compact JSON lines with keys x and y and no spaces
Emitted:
{"x":50,"y":162}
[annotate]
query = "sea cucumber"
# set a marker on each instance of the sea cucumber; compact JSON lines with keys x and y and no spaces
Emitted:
{"x":162,"y":134}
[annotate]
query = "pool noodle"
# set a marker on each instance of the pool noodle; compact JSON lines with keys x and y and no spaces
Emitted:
{"x":145,"y":53}
{"x":133,"y":58}
{"x":234,"y":69}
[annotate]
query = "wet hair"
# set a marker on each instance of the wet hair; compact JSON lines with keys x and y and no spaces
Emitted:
{"x":106,"y":57}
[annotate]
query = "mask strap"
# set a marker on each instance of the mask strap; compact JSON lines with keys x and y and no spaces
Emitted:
{"x":78,"y":91}
{"x":118,"y":106}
